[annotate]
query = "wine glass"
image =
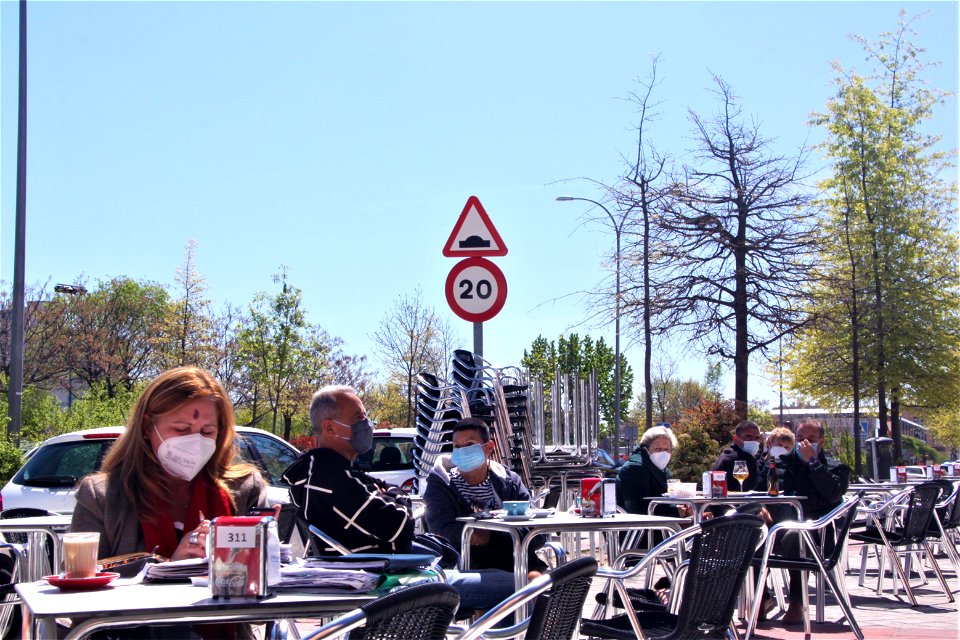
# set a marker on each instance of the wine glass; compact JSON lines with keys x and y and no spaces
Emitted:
{"x":740,"y":472}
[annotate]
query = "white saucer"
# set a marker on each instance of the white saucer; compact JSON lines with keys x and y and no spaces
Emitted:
{"x":507,"y":518}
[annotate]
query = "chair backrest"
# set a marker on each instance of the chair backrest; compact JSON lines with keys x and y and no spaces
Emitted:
{"x":419,"y":612}
{"x":951,"y":519}
{"x":556,"y":613}
{"x":841,"y":520}
{"x":719,"y":559}
{"x":919,"y":514}
{"x":286,"y":521}
{"x":21,"y":512}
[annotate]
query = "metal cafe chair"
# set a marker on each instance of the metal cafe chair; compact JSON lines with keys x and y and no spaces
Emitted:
{"x":557,"y":597}
{"x":823,"y":543}
{"x":717,"y":565}
{"x":907,"y":533}
{"x":420,"y":612}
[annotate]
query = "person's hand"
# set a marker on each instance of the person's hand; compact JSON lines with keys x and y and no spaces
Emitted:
{"x":806,"y":450}
{"x":193,"y":544}
{"x":765,"y":516}
{"x":480,"y":538}
{"x":684,"y":510}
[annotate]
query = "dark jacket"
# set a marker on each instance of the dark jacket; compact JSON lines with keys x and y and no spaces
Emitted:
{"x":361,"y":512}
{"x":639,"y":480}
{"x":725,"y":463}
{"x":444,"y":504}
{"x":823,"y":484}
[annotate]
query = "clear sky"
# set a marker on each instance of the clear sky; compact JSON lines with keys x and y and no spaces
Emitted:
{"x":343,"y":139}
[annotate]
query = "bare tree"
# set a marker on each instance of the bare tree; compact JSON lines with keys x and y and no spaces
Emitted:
{"x":406,"y":340}
{"x":189,"y":330}
{"x":739,"y":232}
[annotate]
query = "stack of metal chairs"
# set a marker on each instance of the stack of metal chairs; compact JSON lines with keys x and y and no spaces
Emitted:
{"x":551,"y":445}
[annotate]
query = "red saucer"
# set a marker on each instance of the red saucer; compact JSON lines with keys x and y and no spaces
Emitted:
{"x":102,"y":579}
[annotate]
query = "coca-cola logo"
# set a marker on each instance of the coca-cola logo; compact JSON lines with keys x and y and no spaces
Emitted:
{"x":233,"y":584}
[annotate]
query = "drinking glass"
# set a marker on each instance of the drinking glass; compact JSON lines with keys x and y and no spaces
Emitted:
{"x":740,"y":472}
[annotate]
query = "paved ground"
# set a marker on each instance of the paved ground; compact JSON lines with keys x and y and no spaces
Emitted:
{"x":880,"y":617}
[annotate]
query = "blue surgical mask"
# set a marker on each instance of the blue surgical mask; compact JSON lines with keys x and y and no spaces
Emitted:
{"x":468,"y":458}
{"x":361,"y":435}
{"x":751,"y":447}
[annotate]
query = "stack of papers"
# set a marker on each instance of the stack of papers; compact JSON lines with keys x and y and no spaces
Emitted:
{"x":177,"y":570}
{"x":383,"y":562}
{"x":299,"y":577}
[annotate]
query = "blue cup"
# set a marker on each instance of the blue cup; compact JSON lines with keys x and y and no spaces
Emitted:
{"x":516,"y":507}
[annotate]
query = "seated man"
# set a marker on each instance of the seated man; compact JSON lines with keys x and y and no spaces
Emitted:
{"x":745,"y":446}
{"x":468,"y":481}
{"x":808,"y":472}
{"x":361,"y":512}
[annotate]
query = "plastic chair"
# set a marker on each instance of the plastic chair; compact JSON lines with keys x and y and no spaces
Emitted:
{"x":916,"y":518}
{"x":557,"y":597}
{"x":419,"y":612}
{"x":718,"y":561}
{"x":946,"y":522}
{"x":840,"y":520}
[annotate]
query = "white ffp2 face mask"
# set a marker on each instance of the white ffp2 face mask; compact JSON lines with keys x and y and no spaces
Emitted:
{"x":184,"y":456}
{"x":778,"y":452}
{"x":661,"y":459}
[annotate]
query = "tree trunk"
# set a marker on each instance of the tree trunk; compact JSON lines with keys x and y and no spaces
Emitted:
{"x":287,"y":422}
{"x":895,"y":424}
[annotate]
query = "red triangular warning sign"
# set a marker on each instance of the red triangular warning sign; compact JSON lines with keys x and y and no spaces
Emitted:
{"x":474,"y":234}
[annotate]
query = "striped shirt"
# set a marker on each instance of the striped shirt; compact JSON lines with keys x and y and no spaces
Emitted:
{"x":480,"y":497}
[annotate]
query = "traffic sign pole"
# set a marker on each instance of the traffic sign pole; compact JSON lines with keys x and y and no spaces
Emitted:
{"x":478,"y":338}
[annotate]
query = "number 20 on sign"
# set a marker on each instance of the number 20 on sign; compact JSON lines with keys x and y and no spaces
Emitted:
{"x":476,"y":289}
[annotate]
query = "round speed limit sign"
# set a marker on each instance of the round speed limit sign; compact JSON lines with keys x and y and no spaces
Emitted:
{"x":476,"y":289}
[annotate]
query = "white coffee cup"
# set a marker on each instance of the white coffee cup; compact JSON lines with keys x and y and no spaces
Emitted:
{"x":80,"y":551}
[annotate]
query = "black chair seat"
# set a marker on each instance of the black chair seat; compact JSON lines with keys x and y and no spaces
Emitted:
{"x":641,"y":599}
{"x":871,"y":535}
{"x":788,"y":563}
{"x":656,"y":624}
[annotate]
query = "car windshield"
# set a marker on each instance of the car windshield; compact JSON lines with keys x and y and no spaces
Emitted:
{"x":388,"y":454}
{"x":62,"y":464}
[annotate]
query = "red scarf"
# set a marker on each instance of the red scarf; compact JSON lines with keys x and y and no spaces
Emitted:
{"x":207,"y":498}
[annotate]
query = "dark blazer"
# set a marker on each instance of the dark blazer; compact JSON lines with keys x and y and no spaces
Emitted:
{"x":725,"y":463}
{"x":639,"y":480}
{"x":823,"y":483}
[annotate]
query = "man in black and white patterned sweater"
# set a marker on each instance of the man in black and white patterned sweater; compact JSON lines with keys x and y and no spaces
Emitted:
{"x":361,"y":512}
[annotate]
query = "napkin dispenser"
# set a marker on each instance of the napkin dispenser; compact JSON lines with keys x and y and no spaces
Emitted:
{"x":244,"y":556}
{"x":598,"y":497}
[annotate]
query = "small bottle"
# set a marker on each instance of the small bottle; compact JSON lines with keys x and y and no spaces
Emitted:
{"x":773,"y":479}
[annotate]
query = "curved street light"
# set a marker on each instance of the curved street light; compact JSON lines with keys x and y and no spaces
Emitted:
{"x":618,"y":228}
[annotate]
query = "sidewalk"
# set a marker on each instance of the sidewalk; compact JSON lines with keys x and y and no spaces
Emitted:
{"x":879,"y":617}
{"x":883,"y":616}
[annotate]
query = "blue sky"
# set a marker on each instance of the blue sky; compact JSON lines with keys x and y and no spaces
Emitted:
{"x":343,"y":139}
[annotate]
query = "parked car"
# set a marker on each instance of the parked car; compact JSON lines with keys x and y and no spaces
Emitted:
{"x":48,"y":478}
{"x":391,"y":458}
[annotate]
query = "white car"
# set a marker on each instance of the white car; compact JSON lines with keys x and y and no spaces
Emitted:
{"x":391,"y":458}
{"x":48,"y":478}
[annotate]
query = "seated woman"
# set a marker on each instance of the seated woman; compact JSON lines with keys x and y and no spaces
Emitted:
{"x":644,"y":475}
{"x":170,"y":472}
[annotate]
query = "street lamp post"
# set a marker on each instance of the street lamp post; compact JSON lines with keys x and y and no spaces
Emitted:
{"x":617,"y":228}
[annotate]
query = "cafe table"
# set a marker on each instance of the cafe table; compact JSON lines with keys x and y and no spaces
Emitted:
{"x":699,"y":503}
{"x":38,"y":529}
{"x":169,"y":603}
{"x":523,"y":532}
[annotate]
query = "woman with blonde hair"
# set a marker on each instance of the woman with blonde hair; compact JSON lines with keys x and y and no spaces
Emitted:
{"x":171,"y":471}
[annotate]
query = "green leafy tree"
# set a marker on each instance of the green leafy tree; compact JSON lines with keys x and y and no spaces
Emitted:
{"x":575,"y":355}
{"x":113,"y":333}
{"x":887,"y":307}
{"x":696,"y":452}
